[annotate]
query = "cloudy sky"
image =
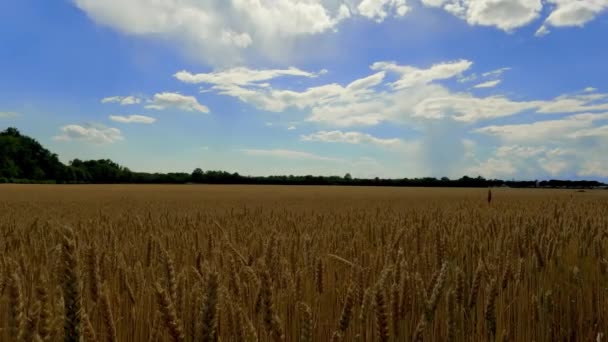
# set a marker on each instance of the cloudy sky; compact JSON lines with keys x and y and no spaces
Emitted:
{"x":389,"y":88}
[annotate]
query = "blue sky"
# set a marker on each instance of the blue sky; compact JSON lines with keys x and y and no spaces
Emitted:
{"x":387,"y":88}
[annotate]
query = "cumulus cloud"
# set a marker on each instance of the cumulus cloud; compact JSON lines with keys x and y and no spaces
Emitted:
{"x":8,"y":115}
{"x":547,"y":130}
{"x":95,"y":134}
{"x":228,"y":32}
{"x":594,"y":168}
{"x":488,"y":84}
{"x":378,"y":10}
{"x":132,"y":119}
{"x":123,"y":100}
{"x":359,"y":102}
{"x":468,"y":108}
{"x":447,"y":124}
{"x":493,"y":168}
{"x":444,"y":119}
{"x":363,"y":109}
{"x":550,"y":148}
{"x":249,"y":86}
{"x":287,"y":154}
{"x":411,"y":76}
{"x":175,"y":100}
{"x":278,"y":100}
{"x":537,"y":161}
{"x":506,"y":15}
{"x":241,"y":76}
{"x":239,"y":40}
{"x":571,"y":13}
{"x":222,"y":32}
{"x":574,"y":103}
{"x":519,"y":151}
{"x":364,"y":112}
{"x":372,"y":99}
{"x":600,"y":131}
{"x":509,"y":15}
{"x":350,"y":138}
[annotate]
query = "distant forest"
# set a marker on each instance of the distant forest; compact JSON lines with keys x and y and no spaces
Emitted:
{"x":24,"y":160}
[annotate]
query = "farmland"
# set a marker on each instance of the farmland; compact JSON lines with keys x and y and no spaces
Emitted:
{"x":272,"y":263}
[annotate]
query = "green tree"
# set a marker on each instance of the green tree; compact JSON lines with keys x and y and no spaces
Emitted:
{"x":23,"y":157}
{"x":198,"y":176}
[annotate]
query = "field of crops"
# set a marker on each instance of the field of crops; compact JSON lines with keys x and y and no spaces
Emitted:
{"x":265,"y":263}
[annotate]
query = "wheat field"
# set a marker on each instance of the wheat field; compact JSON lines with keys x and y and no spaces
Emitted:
{"x":271,"y":263}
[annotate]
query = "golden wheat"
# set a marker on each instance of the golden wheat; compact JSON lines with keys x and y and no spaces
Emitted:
{"x":269,"y":263}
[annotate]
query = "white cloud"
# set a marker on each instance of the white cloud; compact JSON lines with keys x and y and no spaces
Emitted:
{"x":574,"y":13}
{"x":133,"y":119}
{"x":229,"y":32}
{"x":571,"y":13}
{"x":412,"y":76}
{"x":594,"y":168}
{"x":548,"y":130}
{"x":8,"y":115}
{"x":468,"y":78}
{"x":291,"y":128}
{"x":495,"y":73}
{"x":542,"y":31}
{"x":590,"y":90}
{"x":548,"y":148}
{"x":529,"y":162}
{"x":123,"y":100}
{"x":366,"y":82}
{"x":274,"y":100}
{"x":358,"y":103}
{"x":467,"y":108}
{"x":92,"y":134}
{"x":506,"y":15}
{"x":361,"y":113}
{"x":554,"y":167}
{"x":378,"y":10}
{"x":600,"y":131}
{"x":434,"y":3}
{"x":287,"y":154}
{"x":224,"y":32}
{"x":175,"y":100}
{"x":373,"y":99}
{"x":552,"y":148}
{"x":241,"y":76}
{"x":488,"y":84}
{"x":574,"y":103}
{"x":275,"y":19}
{"x":519,"y":151}
{"x":350,"y":138}
{"x":240,"y":40}
{"x":493,"y":168}
{"x":279,"y":100}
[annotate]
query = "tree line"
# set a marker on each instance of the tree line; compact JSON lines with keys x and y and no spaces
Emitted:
{"x":24,"y":160}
